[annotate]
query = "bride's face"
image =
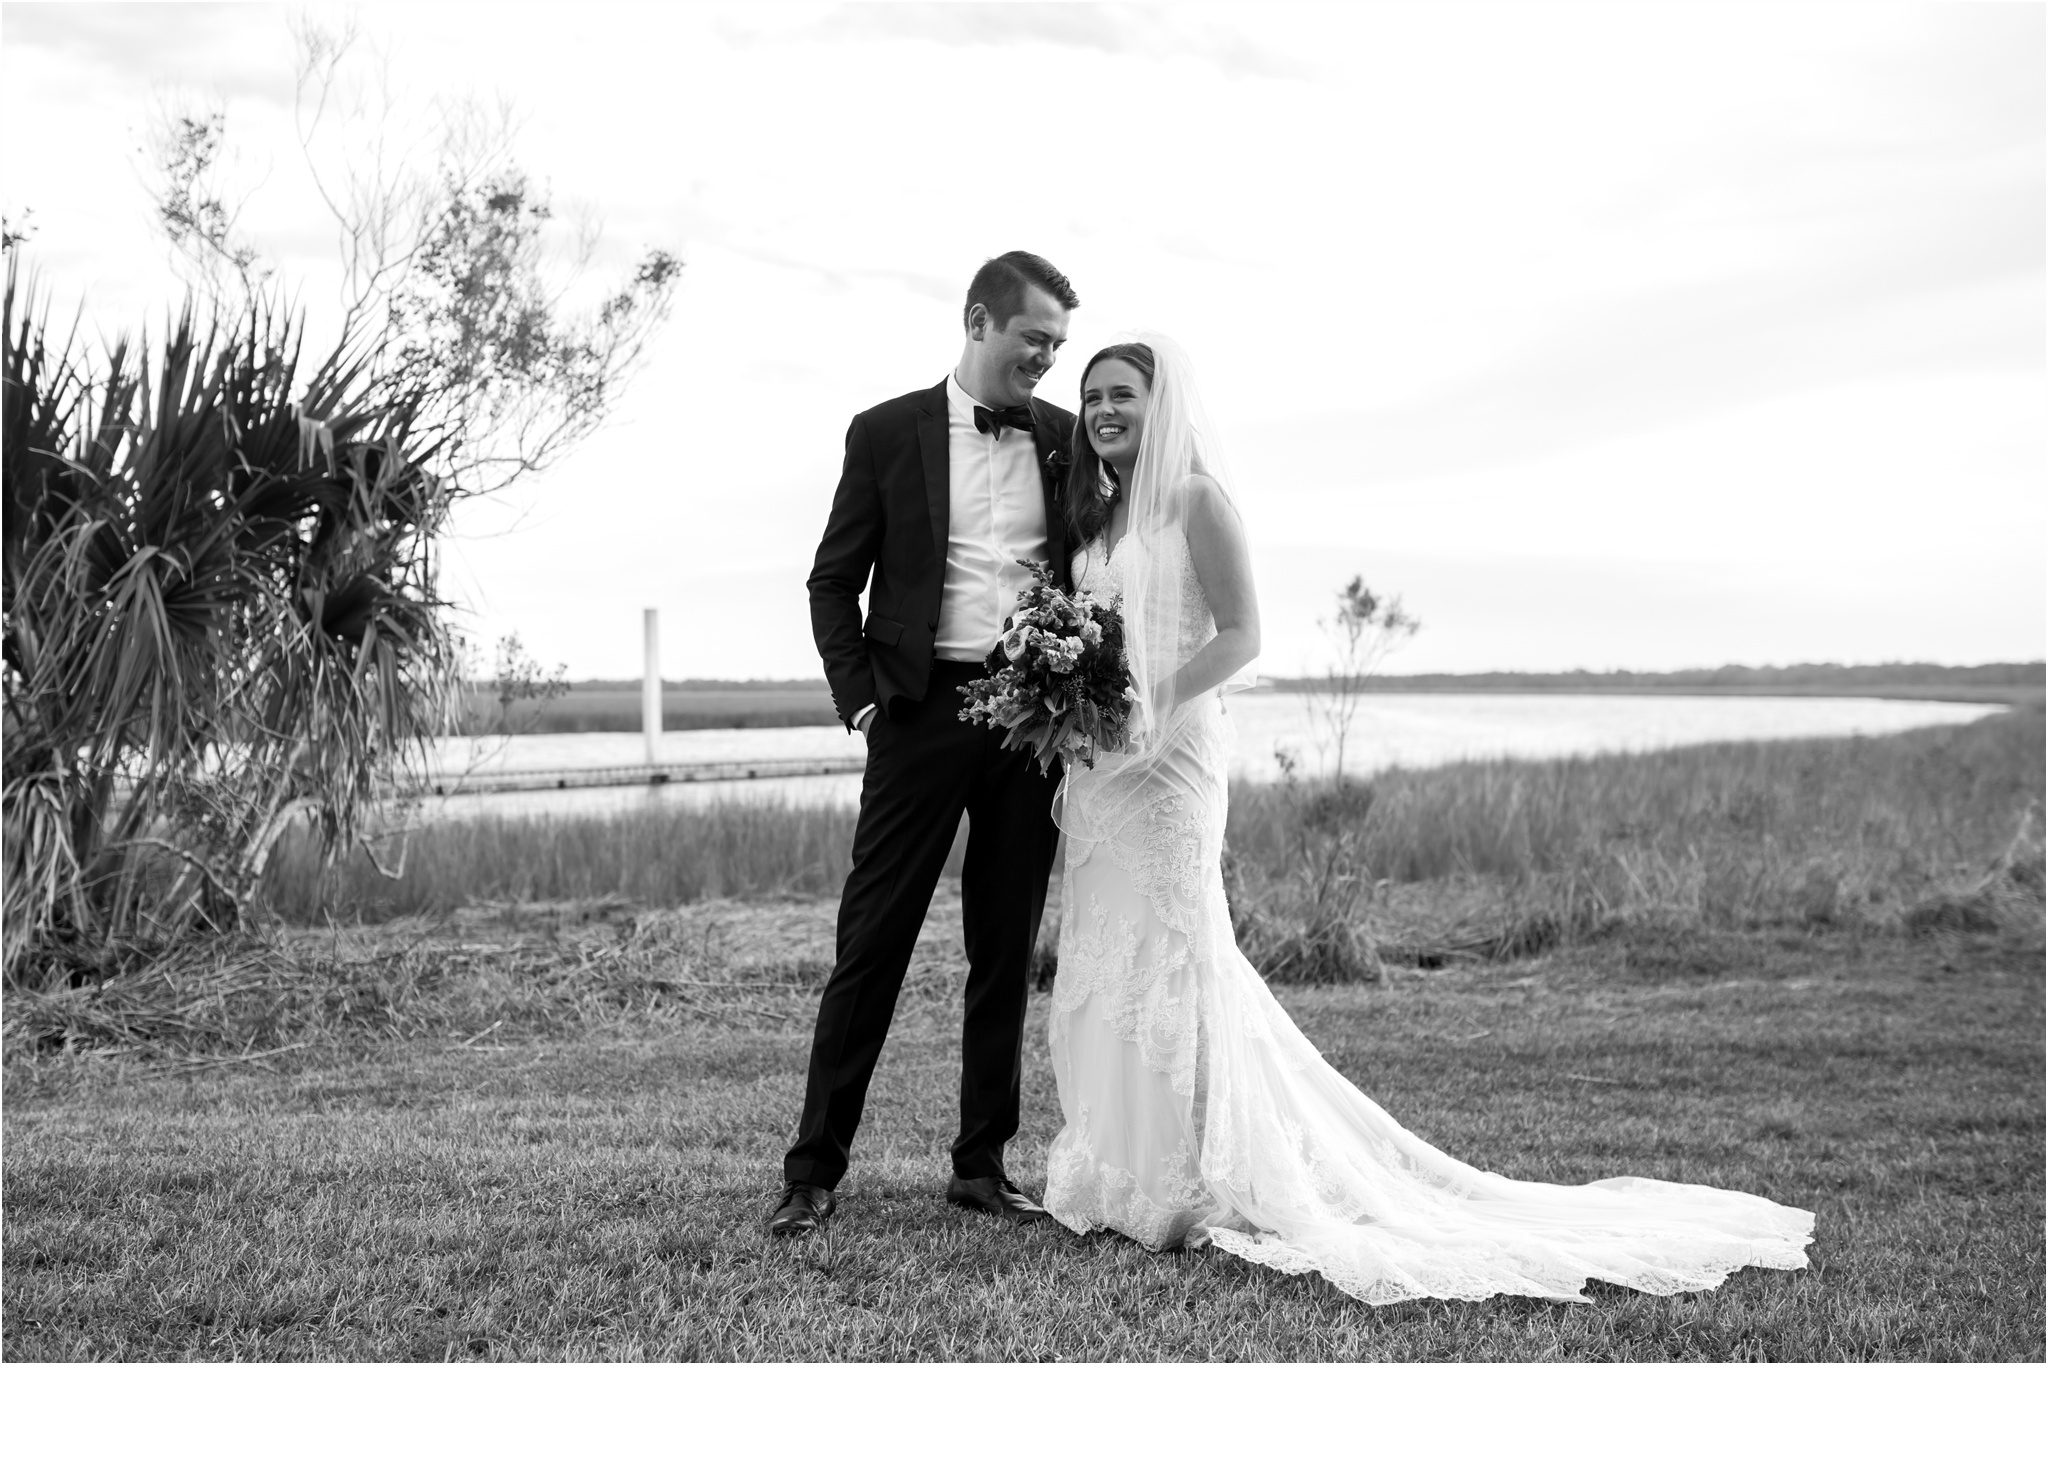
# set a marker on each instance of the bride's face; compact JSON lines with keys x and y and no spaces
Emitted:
{"x":1113,"y":402}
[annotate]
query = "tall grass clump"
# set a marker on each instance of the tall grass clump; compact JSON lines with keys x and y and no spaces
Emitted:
{"x":655,"y":858}
{"x":1851,"y":831}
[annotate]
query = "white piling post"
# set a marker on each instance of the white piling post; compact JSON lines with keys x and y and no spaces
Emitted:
{"x":650,"y":688}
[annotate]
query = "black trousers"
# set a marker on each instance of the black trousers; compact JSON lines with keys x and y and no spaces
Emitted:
{"x":924,"y":767}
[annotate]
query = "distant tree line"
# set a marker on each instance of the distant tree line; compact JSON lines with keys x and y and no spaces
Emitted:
{"x":1805,"y":675}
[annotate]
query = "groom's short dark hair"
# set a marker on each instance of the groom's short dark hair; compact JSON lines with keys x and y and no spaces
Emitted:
{"x":1000,"y":285}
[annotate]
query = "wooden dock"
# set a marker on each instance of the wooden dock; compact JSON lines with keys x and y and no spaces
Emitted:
{"x":629,"y":775}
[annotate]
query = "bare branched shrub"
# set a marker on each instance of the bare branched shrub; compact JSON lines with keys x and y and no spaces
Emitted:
{"x":476,"y":301}
{"x":516,"y":677}
{"x":1312,"y":927}
{"x":1364,"y":631}
{"x":16,"y":230}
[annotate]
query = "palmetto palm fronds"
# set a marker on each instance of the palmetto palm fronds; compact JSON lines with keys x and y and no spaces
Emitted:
{"x":220,"y":613}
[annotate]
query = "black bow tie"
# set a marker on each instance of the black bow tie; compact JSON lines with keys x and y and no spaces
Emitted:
{"x":1002,"y":417}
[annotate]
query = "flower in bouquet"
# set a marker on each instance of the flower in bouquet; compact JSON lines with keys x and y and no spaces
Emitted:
{"x":1058,"y":682}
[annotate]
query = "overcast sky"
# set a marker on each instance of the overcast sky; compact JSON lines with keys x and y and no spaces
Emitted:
{"x":1623,"y":335}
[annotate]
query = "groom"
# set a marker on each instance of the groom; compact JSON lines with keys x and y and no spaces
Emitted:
{"x":942,"y":493}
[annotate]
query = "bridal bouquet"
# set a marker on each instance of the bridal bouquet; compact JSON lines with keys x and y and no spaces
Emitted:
{"x":1058,"y":682}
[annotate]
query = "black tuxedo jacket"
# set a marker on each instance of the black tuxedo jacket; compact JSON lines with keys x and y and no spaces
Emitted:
{"x":887,"y":534}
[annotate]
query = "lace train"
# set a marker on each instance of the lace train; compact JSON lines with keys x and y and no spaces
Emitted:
{"x":1197,"y":1112}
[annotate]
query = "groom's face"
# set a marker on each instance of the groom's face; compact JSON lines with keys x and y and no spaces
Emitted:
{"x":1016,"y":354}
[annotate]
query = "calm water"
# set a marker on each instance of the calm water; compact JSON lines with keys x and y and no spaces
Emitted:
{"x":1414,"y":730}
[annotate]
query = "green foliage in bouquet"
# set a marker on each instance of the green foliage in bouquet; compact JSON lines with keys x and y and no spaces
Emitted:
{"x":1058,"y":682}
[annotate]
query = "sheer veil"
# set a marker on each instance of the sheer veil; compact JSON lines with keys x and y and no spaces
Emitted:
{"x":1164,"y":619}
{"x":1179,"y":442}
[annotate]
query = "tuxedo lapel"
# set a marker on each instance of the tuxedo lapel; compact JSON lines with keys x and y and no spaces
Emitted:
{"x":1052,"y":449}
{"x":932,"y":434}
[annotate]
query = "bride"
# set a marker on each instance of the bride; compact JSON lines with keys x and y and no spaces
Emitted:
{"x":1195,"y":1111}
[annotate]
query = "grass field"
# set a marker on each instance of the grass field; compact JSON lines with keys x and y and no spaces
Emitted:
{"x":541,"y":1115}
{"x":553,"y":1135}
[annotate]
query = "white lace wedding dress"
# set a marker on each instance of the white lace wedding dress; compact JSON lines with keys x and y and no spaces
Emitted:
{"x":1196,"y":1111}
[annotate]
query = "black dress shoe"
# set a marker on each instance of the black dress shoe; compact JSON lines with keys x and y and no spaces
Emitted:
{"x":802,"y":1209}
{"x":995,"y":1195}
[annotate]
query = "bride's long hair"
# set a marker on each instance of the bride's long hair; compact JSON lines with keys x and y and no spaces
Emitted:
{"x":1081,"y":502}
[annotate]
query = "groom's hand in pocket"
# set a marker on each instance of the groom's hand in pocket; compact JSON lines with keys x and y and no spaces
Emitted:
{"x":864,"y":722}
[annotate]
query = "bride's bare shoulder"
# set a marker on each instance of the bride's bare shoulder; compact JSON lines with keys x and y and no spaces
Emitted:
{"x":1207,"y":503}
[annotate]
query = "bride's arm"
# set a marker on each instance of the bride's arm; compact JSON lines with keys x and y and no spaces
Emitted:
{"x":1223,"y":567}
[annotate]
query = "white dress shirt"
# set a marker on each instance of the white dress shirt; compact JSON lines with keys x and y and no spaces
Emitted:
{"x":997,"y":517}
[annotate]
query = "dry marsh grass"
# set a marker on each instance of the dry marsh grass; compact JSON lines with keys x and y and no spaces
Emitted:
{"x":1849,"y":830}
{"x":1853,"y":831}
{"x":657,"y":858}
{"x":503,"y":973}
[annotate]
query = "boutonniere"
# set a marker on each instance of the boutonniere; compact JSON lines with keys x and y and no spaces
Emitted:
{"x":1056,"y":465}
